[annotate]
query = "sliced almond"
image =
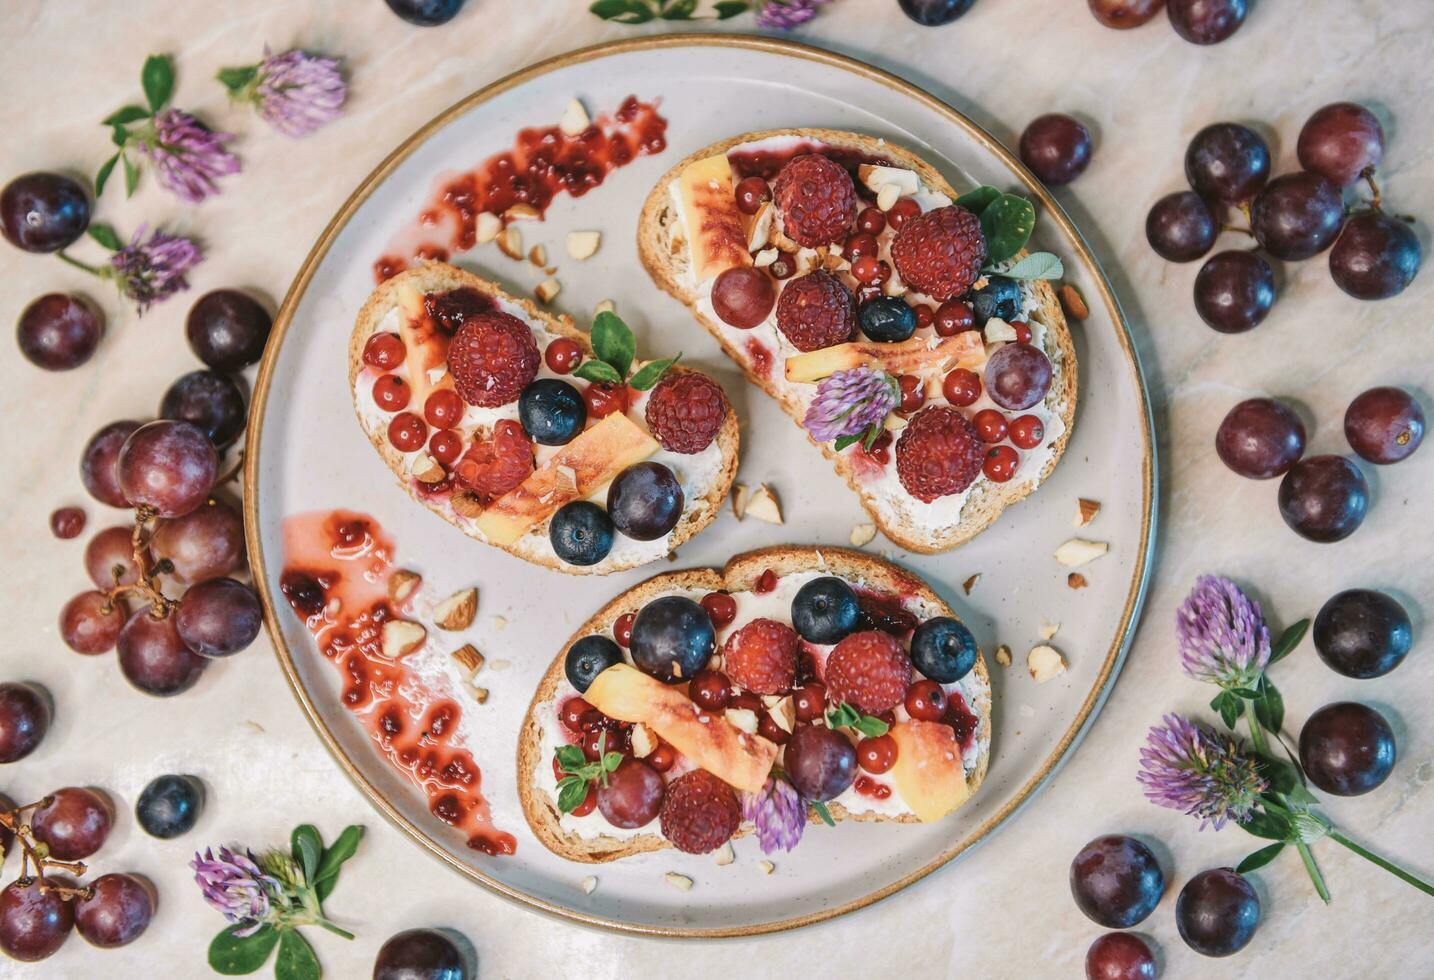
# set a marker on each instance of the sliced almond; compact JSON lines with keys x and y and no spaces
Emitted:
{"x":538,"y":255}
{"x":765,"y":257}
{"x":999,"y":331}
{"x":588,"y":884}
{"x":780,"y":239}
{"x":468,"y":658}
{"x":466,"y":504}
{"x":575,"y":119}
{"x":1086,"y":511}
{"x":606,"y":306}
{"x":402,"y":584}
{"x":894,"y":423}
{"x":681,"y":882}
{"x":1078,"y":551}
{"x":500,"y":622}
{"x":760,"y":231}
{"x":426,"y":469}
{"x":877,"y":176}
{"x":457,"y":611}
{"x":744,"y":719}
{"x":523,"y":212}
{"x":643,"y":741}
{"x":887,"y":196}
{"x":739,"y":500}
{"x":1049,"y":630}
{"x":766,"y":867}
{"x":893,"y":287}
{"x":400,"y":637}
{"x":547,"y":290}
{"x":764,"y":506}
{"x":726,"y":855}
{"x":1072,"y":302}
{"x":784,"y":714}
{"x":1076,"y":580}
{"x":1003,"y":655}
{"x":583,"y":244}
{"x":488,"y":227}
{"x":566,"y":479}
{"x":1045,"y":662}
{"x":862,"y":534}
{"x":970,"y":583}
{"x":480,"y":694}
{"x":510,"y":243}
{"x":436,"y":375}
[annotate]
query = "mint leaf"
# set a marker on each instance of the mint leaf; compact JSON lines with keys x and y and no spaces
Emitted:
{"x":978,"y":200}
{"x":871,"y":727}
{"x":157,"y":79}
{"x":846,"y":716}
{"x":1037,"y":265}
{"x":131,"y":176}
{"x":611,"y":761}
{"x":236,"y":80}
{"x":1007,"y":224}
{"x":1288,"y":641}
{"x":570,"y":758}
{"x":328,"y":872}
{"x":651,"y":372}
{"x":235,"y":956}
{"x":296,"y":959}
{"x":622,"y":11}
{"x":571,"y":793}
{"x":1260,"y":858}
{"x":600,"y":371}
{"x":129,"y":114}
{"x":612,"y":342}
{"x":823,"y":812}
{"x":729,"y":8}
{"x":306,"y":846}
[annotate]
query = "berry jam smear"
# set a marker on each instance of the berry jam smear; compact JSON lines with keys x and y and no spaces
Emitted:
{"x":336,"y":572}
{"x":542,"y":163}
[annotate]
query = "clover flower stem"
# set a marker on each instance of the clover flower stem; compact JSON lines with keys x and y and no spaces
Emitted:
{"x":1257,"y":738}
{"x":83,"y":266}
{"x":1389,"y":866}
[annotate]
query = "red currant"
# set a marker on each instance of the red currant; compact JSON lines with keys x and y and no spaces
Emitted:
{"x":751,"y":193}
{"x":721,"y":608}
{"x":925,"y":315}
{"x":913,"y":393}
{"x":557,"y":767}
{"x":563,"y":355}
{"x":810,"y":701}
{"x":880,"y":451}
{"x":1023,"y":331}
{"x":445,"y":446}
{"x":710,"y":689}
{"x":901,"y":211}
{"x":871,"y":221}
{"x":391,"y":393}
{"x":384,"y":351}
{"x":572,"y":714}
{"x":443,"y":408}
{"x":589,"y":803}
{"x":867,"y":269}
{"x":926,"y":701}
{"x":783,"y":267}
{"x":766,"y":582}
{"x":859,"y":246}
{"x":1027,"y":431}
{"x":990,"y":425}
{"x":622,"y":629}
{"x":604,"y":399}
{"x":407,"y":432}
{"x":662,"y":757}
{"x":953,"y":317}
{"x":962,"y":387}
{"x":771,"y":731}
{"x":877,"y":754}
{"x":1001,"y":464}
{"x":598,"y":741}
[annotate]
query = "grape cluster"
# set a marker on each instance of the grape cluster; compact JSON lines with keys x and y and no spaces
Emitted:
{"x":1197,"y":21}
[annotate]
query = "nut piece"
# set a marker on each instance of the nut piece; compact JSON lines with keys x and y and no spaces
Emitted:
{"x":1003,"y":655}
{"x":1048,"y":630}
{"x":784,"y":714}
{"x":761,"y":230}
{"x":970,"y":583}
{"x":998,"y":330}
{"x":887,"y":196}
{"x":575,"y":119}
{"x":547,"y":290}
{"x":1078,"y":551}
{"x":588,"y":885}
{"x":767,"y":867}
{"x":765,"y":257}
{"x":877,"y":178}
{"x":764,"y":506}
{"x":466,"y":504}
{"x":1045,"y":662}
{"x":725,"y":854}
{"x":1072,"y":303}
{"x":402,"y":584}
{"x":744,"y":719}
{"x":681,"y":882}
{"x":583,"y":244}
{"x":510,"y":243}
{"x":643,"y":741}
{"x":1085,"y":511}
{"x":538,"y":255}
{"x":480,"y":694}
{"x":523,"y":212}
{"x":456,"y":612}
{"x":489,"y":225}
{"x":862,"y":534}
{"x":401,"y":637}
{"x":468,"y":658}
{"x":739,"y":500}
{"x":426,"y":469}
{"x":1076,"y":580}
{"x":606,"y":306}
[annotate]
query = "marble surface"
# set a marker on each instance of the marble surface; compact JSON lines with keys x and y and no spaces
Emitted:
{"x":1005,"y":909}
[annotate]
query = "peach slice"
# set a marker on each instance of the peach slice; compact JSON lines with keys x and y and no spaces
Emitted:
{"x":741,"y":760}
{"x":928,"y":773}
{"x":425,"y":346}
{"x":919,"y":355}
{"x":715,"y":232}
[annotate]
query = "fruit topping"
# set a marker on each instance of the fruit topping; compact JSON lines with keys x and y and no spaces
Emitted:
{"x":816,"y":311}
{"x":443,"y":408}
{"x":761,"y":657}
{"x":492,"y":358}
{"x":962,"y":387}
{"x":685,"y":411}
{"x":915,"y":356}
{"x":926,"y":701}
{"x":869,"y":670}
{"x":407,"y":433}
{"x":1018,"y":376}
{"x":672,"y":639}
{"x":901,"y":212}
{"x":710,"y":690}
{"x":751,"y":194}
{"x":817,"y":199}
{"x":1116,"y":881}
{"x":939,"y":253}
{"x":1000,"y":297}
{"x":809,"y":701}
{"x":645,"y":501}
{"x":913,"y":393}
{"x":589,"y":657}
{"x":943,"y":649}
{"x":990,"y":425}
{"x":743,"y":297}
{"x":721,"y":607}
{"x":632,"y":795}
{"x":700,"y":812}
{"x":1027,"y":431}
{"x":887,"y":319}
{"x":1056,"y":147}
{"x":883,"y":611}
{"x":820,"y":762}
{"x":604,"y":399}
{"x":715,"y":234}
{"x":563,"y":355}
{"x":938,"y":453}
{"x":552,"y":411}
{"x":1001,"y":464}
{"x":622,"y":629}
{"x":496,"y":463}
{"x":581,"y":533}
{"x":572,"y":713}
{"x":929,"y":775}
{"x":1362,"y":633}
{"x":825,"y":611}
{"x":876,"y":755}
{"x":871,"y":221}
{"x":391,"y":393}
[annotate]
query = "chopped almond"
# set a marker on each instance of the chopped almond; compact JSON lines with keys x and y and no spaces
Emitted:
{"x":739,"y":500}
{"x":998,"y":331}
{"x":575,"y":119}
{"x":426,"y":469}
{"x":466,"y":504}
{"x":887,"y":196}
{"x":681,"y":882}
{"x":760,"y":231}
{"x":480,"y":694}
{"x":726,"y":855}
{"x":547,"y":290}
{"x":765,"y":257}
{"x":783,"y":714}
{"x":457,"y":611}
{"x":510,"y":243}
{"x":1045,"y":662}
{"x":766,"y":867}
{"x":583,"y":244}
{"x":1072,"y":303}
{"x":764,"y":506}
{"x":1078,"y":551}
{"x":1049,"y":630}
{"x":538,"y":255}
{"x":744,"y":719}
{"x":468,"y":658}
{"x":1076,"y":580}
{"x":489,"y":225}
{"x":523,"y":212}
{"x":402,"y":584}
{"x":588,"y":885}
{"x":643,"y":741}
{"x":1085,"y":511}
{"x":400,"y":637}
{"x":1003,"y":655}
{"x":862,"y":534}
{"x":970,"y":583}
{"x":606,"y":306}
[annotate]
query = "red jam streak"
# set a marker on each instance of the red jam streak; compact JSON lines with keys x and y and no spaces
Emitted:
{"x":871,"y":788}
{"x":761,"y":357}
{"x":542,"y":163}
{"x":960,"y":717}
{"x":336,"y":572}
{"x":767,"y":163}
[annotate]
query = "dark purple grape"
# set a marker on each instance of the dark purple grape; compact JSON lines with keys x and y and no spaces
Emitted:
{"x":1297,"y":215}
{"x":426,"y":13}
{"x":73,"y":822}
{"x":116,"y":912}
{"x":645,"y":501}
{"x":168,"y":465}
{"x":1181,"y":227}
{"x":33,"y":923}
{"x":1227,"y":162}
{"x":820,"y":762}
{"x":91,"y":622}
{"x":632,"y":795}
{"x":672,"y":639}
{"x":220,"y":617}
{"x":97,"y":463}
{"x":1217,"y":912}
{"x":419,"y":954}
{"x":205,"y":543}
{"x":170,"y":805}
{"x":1347,"y":748}
{"x":59,"y":331}
{"x":1018,"y":376}
{"x":154,"y":659}
{"x":1206,"y":21}
{"x":1124,"y":14}
{"x":1116,"y":881}
{"x":1362,"y":633}
{"x":1375,"y":257}
{"x":1234,"y":291}
{"x":227,"y":329}
{"x":24,"y":719}
{"x":743,"y":297}
{"x":1384,"y":425}
{"x":1119,"y":956}
{"x":43,"y":212}
{"x":934,"y":13}
{"x":110,"y":549}
{"x":1260,"y":438}
{"x":1340,"y":141}
{"x":1056,"y":147}
{"x":209,"y":400}
{"x":1324,"y":498}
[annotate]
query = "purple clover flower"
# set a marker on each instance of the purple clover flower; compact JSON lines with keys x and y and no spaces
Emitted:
{"x":849,"y":403}
{"x":296,"y":92}
{"x":1222,"y":633}
{"x":777,"y":813}
{"x":783,"y":15}
{"x":150,"y":271}
{"x":1188,"y":767}
{"x":233,"y":884}
{"x":188,"y":156}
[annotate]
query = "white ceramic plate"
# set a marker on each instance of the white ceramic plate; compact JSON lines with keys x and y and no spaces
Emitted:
{"x":307,"y":453}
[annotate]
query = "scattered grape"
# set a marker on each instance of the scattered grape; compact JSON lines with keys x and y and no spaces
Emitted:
{"x":218,"y":618}
{"x":73,"y":822}
{"x":116,"y":912}
{"x":1324,"y":498}
{"x":1340,"y":141}
{"x":1384,"y":425}
{"x":1206,"y":21}
{"x":1124,"y":14}
{"x":419,"y":954}
{"x":170,"y":805}
{"x":33,"y":923}
{"x":1119,"y":956}
{"x":67,"y":523}
{"x":24,"y":719}
{"x":1260,"y":438}
{"x":154,"y":659}
{"x":1116,"y":881}
{"x":1227,"y":162}
{"x":1056,"y":147}
{"x":934,"y":13}
{"x":97,"y":463}
{"x":227,"y":329}
{"x":205,"y":543}
{"x":1217,"y":912}
{"x":1347,"y":748}
{"x":1297,"y":215}
{"x":1375,"y":257}
{"x":1362,"y":633}
{"x":110,"y":549}
{"x":426,"y":13}
{"x":43,"y":212}
{"x":1180,"y":227}
{"x":168,"y":465}
{"x":59,"y":331}
{"x":91,"y":622}
{"x":209,"y":400}
{"x":1234,"y":291}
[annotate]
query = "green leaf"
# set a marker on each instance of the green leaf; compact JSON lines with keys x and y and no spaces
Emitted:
{"x":571,"y":758}
{"x":611,"y":761}
{"x":1268,"y":825}
{"x":1037,"y":265}
{"x":119,"y":136}
{"x":571,"y":793}
{"x":1270,"y":707}
{"x":296,"y":959}
{"x":1247,"y":693}
{"x":823,"y":812}
{"x":1260,"y":858}
{"x":846,"y":716}
{"x":1282,"y":777}
{"x":623,"y":11}
{"x":679,"y":10}
{"x":1299,"y":794}
{"x":129,"y":114}
{"x":157,"y":79}
{"x":334,"y":857}
{"x":729,"y":8}
{"x":306,"y":846}
{"x":1007,"y":224}
{"x":234,"y":956}
{"x":236,"y":80}
{"x":612,"y":342}
{"x":1227,"y":706}
{"x":979,"y":199}
{"x":651,"y":372}
{"x":601,"y":371}
{"x":871,"y":727}
{"x":843,"y":441}
{"x":131,"y":176}
{"x":1288,"y":640}
{"x":103,"y":176}
{"x":106,"y":236}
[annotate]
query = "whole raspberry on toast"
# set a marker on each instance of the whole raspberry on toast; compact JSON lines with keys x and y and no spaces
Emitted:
{"x":558,"y":446}
{"x":905,"y":327}
{"x":700,"y":706}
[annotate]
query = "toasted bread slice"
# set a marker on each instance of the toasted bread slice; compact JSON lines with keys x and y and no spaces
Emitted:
{"x":536,"y":742}
{"x":926,"y":528}
{"x":706,"y":477}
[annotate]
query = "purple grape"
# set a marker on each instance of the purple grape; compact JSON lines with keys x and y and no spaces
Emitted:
{"x":1324,"y":498}
{"x":1056,"y":147}
{"x":209,"y":400}
{"x":43,"y":212}
{"x":1362,"y":633}
{"x":154,"y":659}
{"x":1384,"y":425}
{"x":227,"y":329}
{"x":1116,"y":881}
{"x":1217,"y":912}
{"x":110,"y":549}
{"x":1340,"y":141}
{"x":1375,"y":257}
{"x":820,"y":762}
{"x":24,"y":719}
{"x":168,"y":465}
{"x":1181,"y":227}
{"x":1260,"y":438}
{"x":645,"y":501}
{"x":33,"y":923}
{"x":419,"y":954}
{"x":632,"y":795}
{"x":1124,"y":14}
{"x":205,"y":543}
{"x":97,"y":462}
{"x":1297,"y":215}
{"x":220,"y":617}
{"x":1119,"y":956}
{"x":1347,"y":748}
{"x":59,"y":331}
{"x":91,"y":622}
{"x":1018,"y":376}
{"x":117,"y":911}
{"x":73,"y":823}
{"x":934,"y":13}
{"x":1206,"y":21}
{"x":1234,"y":291}
{"x":1227,"y":162}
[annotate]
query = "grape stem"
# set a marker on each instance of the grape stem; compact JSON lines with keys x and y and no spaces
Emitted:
{"x":33,"y":852}
{"x":147,"y":585}
{"x":1257,"y":736}
{"x":1368,"y":174}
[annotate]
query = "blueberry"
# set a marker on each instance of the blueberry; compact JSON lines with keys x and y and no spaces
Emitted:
{"x":825,"y":610}
{"x":581,"y":533}
{"x":934,"y":13}
{"x":552,"y":412}
{"x":426,"y":13}
{"x":589,"y":657}
{"x":943,"y":649}
{"x":1000,"y":297}
{"x":169,"y":806}
{"x":672,"y":639}
{"x":887,"y":319}
{"x":645,"y":501}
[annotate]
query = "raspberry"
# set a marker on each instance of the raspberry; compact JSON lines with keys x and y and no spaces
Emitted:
{"x":816,"y":310}
{"x":700,"y":813}
{"x":493,"y":466}
{"x":939,"y":453}
{"x":685,"y":410}
{"x":817,"y":200}
{"x":762,"y":656}
{"x":492,"y":358}
{"x":940,"y":253}
{"x":868,"y":670}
